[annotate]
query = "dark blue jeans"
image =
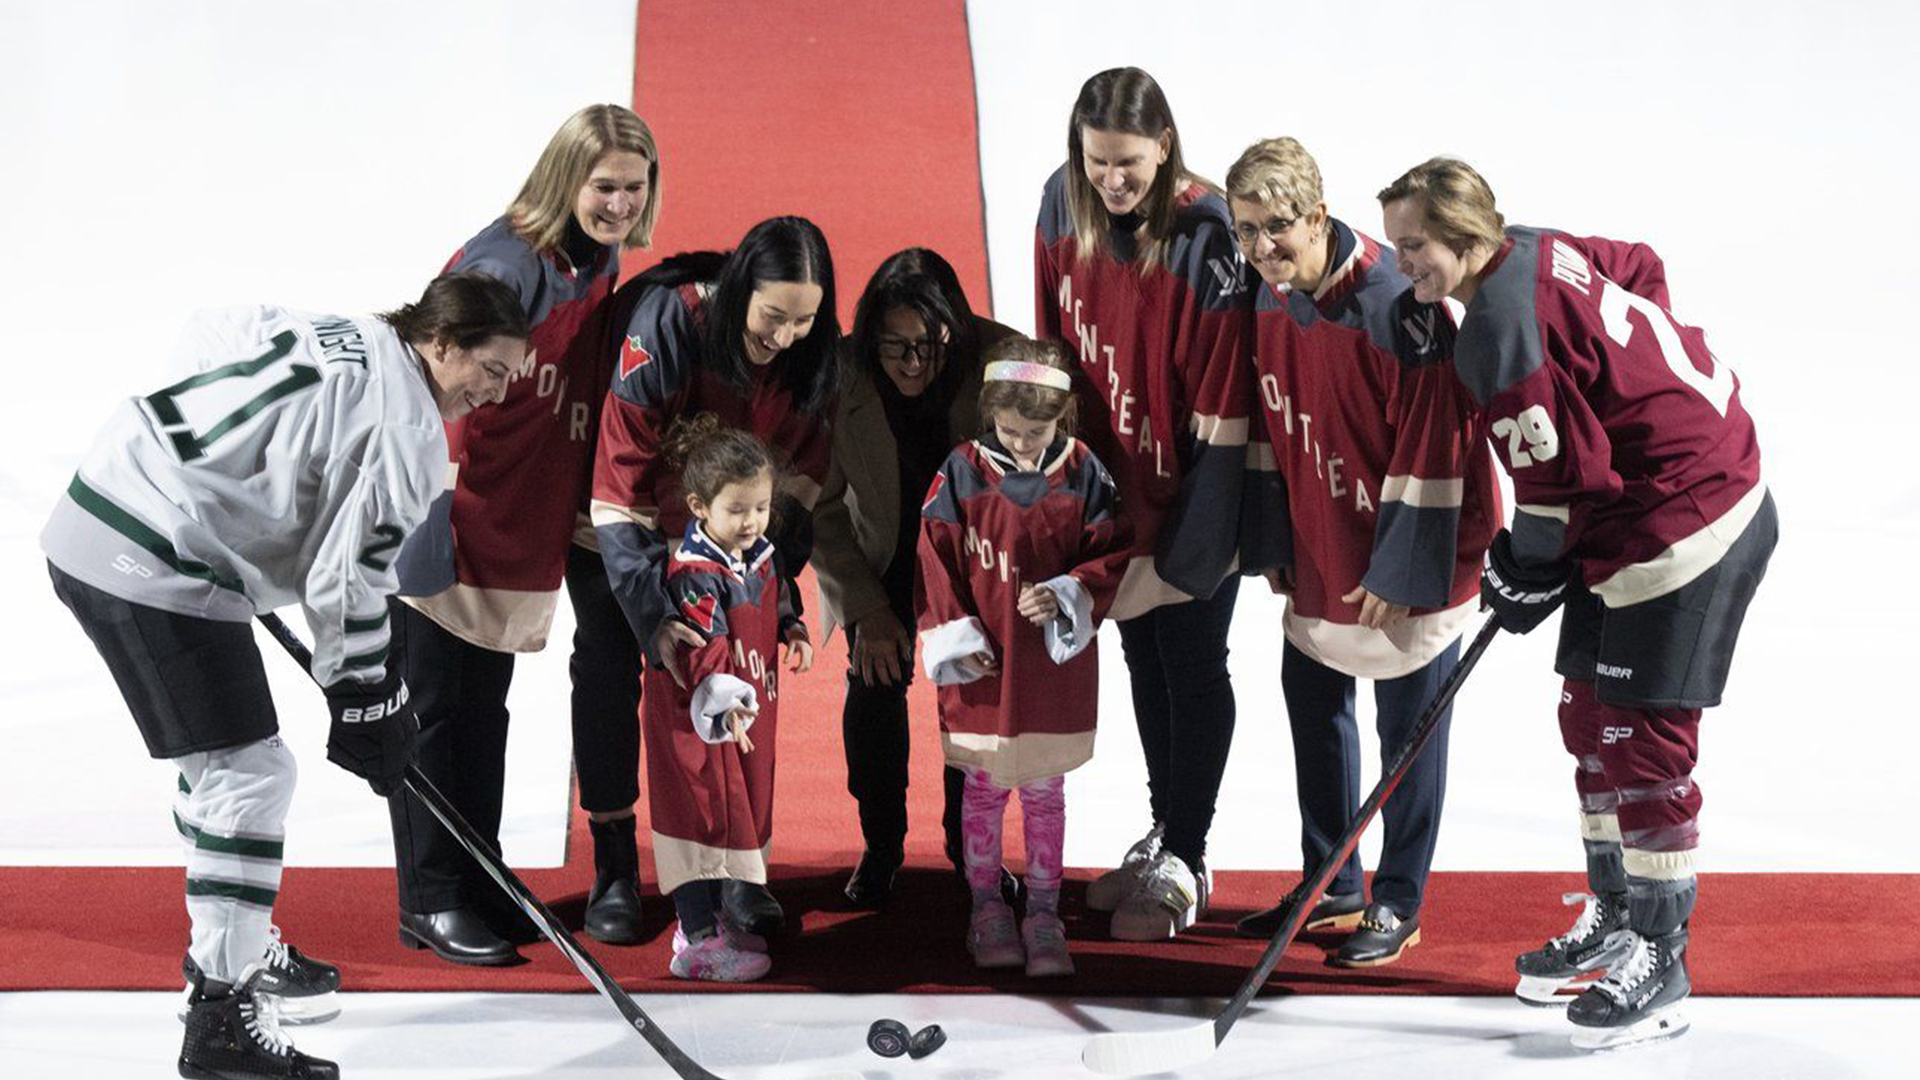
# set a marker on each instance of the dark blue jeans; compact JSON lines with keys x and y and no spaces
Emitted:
{"x":1183,"y":703}
{"x":1326,"y":762}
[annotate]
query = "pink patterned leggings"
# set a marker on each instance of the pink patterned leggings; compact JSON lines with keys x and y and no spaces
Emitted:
{"x":1043,"y":809}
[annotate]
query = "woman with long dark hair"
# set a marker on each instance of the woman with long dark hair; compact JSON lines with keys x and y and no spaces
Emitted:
{"x":1135,"y":268}
{"x":748,"y":335}
{"x":909,"y":380}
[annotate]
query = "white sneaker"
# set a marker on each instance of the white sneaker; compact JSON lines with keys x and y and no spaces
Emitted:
{"x":1114,"y":886}
{"x":1170,"y":898}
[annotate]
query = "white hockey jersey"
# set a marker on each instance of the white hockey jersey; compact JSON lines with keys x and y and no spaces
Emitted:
{"x":286,"y":468}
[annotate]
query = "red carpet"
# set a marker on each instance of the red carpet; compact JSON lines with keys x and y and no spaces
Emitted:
{"x":861,"y":116}
{"x":1756,"y":935}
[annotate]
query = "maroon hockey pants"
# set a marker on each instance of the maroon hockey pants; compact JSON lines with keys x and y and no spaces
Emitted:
{"x":1636,"y":762}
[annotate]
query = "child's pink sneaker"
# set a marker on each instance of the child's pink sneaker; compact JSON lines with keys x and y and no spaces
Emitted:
{"x":1045,"y":939}
{"x":992,"y":939}
{"x":714,"y":959}
{"x":740,"y":939}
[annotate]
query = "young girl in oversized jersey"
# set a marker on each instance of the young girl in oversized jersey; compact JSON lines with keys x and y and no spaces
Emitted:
{"x":1022,"y":550}
{"x":1135,"y":269}
{"x":710,"y":782}
{"x":483,"y":577}
{"x":749,"y":336}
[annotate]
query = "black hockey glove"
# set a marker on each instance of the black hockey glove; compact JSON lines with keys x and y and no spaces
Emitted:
{"x":1521,"y":597}
{"x":374,"y":731}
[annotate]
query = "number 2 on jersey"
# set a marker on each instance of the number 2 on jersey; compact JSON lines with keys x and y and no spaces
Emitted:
{"x":190,"y":445}
{"x":1616,"y":302}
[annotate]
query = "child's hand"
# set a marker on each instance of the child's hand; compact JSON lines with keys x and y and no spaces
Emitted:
{"x":983,"y":662}
{"x":799,"y":649}
{"x":1038,"y":604}
{"x":737,"y":719}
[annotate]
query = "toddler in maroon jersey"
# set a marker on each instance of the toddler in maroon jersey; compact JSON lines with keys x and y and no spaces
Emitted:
{"x":711,"y":783}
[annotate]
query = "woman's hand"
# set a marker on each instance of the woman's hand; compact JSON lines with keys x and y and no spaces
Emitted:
{"x":882,"y":649}
{"x":666,"y":645}
{"x":1375,"y":613}
{"x":1038,"y":604}
{"x":799,"y":650}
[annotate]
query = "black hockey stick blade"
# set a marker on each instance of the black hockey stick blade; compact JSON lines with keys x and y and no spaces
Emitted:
{"x":1123,"y":1053}
{"x":523,"y":897}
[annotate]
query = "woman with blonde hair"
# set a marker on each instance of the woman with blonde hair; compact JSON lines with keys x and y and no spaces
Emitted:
{"x":482,"y":577}
{"x":1390,"y":502}
{"x":1640,"y":505}
{"x":1136,"y":272}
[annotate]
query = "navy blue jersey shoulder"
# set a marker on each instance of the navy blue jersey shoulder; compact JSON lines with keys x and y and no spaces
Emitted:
{"x":1499,"y":342}
{"x":658,"y":345}
{"x":1087,"y":478}
{"x":1055,"y":222}
{"x":959,"y":478}
{"x":500,"y":252}
{"x":1203,"y":253}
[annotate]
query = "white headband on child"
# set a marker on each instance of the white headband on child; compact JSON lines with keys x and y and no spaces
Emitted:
{"x":1021,"y":371}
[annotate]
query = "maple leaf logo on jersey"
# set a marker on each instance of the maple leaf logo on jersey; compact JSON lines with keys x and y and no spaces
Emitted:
{"x":633,"y":356}
{"x":699,"y":611}
{"x":933,"y":490}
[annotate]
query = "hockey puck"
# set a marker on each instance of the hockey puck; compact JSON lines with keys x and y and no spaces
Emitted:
{"x":889,"y":1038}
{"x":926,"y":1041}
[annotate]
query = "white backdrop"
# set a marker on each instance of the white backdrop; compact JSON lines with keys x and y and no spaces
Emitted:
{"x":164,"y":156}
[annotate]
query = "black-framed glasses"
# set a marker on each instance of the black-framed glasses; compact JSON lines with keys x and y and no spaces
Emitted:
{"x":927,"y":349}
{"x":1274,"y":227}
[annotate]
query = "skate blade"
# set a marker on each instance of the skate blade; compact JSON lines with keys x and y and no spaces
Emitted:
{"x":317,"y":1009}
{"x":1662,"y":1025}
{"x":1546,"y":992}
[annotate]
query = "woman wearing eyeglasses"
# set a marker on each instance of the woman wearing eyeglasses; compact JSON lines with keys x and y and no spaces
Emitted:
{"x":1391,"y":502}
{"x":909,"y":383}
{"x":1135,"y":269}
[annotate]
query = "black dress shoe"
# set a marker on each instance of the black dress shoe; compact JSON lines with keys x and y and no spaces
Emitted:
{"x":457,"y":934}
{"x":505,"y":918}
{"x":1382,"y":937}
{"x":752,"y":908}
{"x":1335,"y":911}
{"x":872,"y":880}
{"x":613,"y":912}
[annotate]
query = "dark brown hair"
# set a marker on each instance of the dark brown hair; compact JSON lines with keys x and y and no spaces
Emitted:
{"x":1031,"y":400}
{"x":464,"y":310}
{"x":711,"y":455}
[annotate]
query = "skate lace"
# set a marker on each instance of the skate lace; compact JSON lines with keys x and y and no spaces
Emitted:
{"x":277,"y":950}
{"x":261,"y":1012}
{"x":1583,"y":927}
{"x":1631,"y":972}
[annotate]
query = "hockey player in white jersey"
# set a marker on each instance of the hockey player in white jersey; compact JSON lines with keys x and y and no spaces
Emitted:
{"x":286,"y":467}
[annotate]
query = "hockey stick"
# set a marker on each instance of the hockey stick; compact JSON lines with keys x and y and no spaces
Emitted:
{"x":549,"y":924}
{"x":1121,"y":1053}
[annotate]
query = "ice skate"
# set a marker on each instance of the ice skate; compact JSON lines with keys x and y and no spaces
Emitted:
{"x":1640,"y":1000}
{"x":304,"y":988}
{"x":235,"y":1035}
{"x":1109,"y":889}
{"x":1574,"y":959}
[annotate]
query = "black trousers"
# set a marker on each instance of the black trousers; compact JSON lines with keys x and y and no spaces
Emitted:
{"x":460,"y":698}
{"x":1183,"y":704}
{"x":606,"y":689}
{"x":874,"y":729}
{"x":1326,"y":762}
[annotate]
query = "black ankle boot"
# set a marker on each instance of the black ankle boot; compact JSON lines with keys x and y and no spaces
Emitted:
{"x":613,"y":907}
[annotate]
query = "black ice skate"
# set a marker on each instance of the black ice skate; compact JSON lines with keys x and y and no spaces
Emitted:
{"x":236,"y":1036}
{"x":305,"y":987}
{"x":1571,"y":961}
{"x":1640,"y":998}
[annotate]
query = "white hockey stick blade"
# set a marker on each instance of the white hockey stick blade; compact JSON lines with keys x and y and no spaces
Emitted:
{"x":1662,"y":1025}
{"x":1133,"y":1053}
